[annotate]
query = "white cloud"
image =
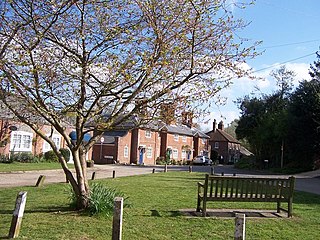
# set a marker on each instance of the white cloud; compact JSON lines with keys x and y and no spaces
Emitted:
{"x":245,"y":86}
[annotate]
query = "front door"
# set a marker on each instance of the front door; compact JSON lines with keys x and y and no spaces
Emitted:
{"x":141,"y":151}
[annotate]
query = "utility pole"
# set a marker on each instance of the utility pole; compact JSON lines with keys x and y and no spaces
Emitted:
{"x":281,"y":163}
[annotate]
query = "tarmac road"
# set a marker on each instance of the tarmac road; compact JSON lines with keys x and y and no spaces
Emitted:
{"x":308,"y":181}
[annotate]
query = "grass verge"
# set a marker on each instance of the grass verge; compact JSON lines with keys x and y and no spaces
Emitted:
{"x":19,"y":166}
{"x":154,"y":213}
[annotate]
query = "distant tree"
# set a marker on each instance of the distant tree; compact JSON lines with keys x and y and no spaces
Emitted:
{"x":263,"y":120}
{"x":304,"y":115}
{"x":284,"y":79}
{"x":88,"y":59}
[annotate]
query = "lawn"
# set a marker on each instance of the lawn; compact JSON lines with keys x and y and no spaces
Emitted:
{"x":154,"y":214}
{"x":20,"y":166}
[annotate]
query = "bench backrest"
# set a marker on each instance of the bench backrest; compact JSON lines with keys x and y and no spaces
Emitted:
{"x":245,"y":188}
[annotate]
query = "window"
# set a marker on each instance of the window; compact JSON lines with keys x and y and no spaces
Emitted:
{"x":184,"y":138}
{"x":203,"y":141}
{"x":126,"y":152}
{"x":175,"y":153}
{"x":176,"y":137}
{"x":216,"y":145}
{"x":21,"y":141}
{"x":57,"y":141}
{"x":148,"y":134}
{"x":184,"y":154}
{"x":149,"y":152}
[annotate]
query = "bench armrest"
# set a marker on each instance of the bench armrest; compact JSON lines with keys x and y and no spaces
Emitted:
{"x":200,"y":185}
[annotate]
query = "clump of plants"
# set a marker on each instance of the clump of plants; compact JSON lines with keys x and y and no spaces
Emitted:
{"x":50,"y":156}
{"x":65,"y":153}
{"x":5,"y":159}
{"x":101,"y":200}
{"x":245,"y":163}
{"x":25,"y":157}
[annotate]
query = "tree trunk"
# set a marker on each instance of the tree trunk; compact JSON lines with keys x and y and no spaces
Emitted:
{"x":79,"y":186}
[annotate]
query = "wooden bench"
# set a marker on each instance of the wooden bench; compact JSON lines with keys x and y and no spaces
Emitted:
{"x":244,"y":189}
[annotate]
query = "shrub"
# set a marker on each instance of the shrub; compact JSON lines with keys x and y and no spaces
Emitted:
{"x":25,"y":157}
{"x":65,"y":153}
{"x":50,"y":156}
{"x":245,"y":163}
{"x":101,"y":200}
{"x":5,"y":159}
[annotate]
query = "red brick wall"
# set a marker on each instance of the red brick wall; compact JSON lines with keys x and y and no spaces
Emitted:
{"x":124,"y":142}
{"x":178,"y":145}
{"x":151,"y":142}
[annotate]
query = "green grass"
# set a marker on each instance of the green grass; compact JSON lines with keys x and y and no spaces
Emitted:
{"x":19,"y":166}
{"x":154,"y":213}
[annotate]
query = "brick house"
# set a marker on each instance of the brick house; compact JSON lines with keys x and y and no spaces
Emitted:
{"x":16,"y":137}
{"x":144,"y":145}
{"x":224,"y":147}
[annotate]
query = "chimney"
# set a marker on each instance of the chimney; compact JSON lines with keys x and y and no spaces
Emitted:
{"x":167,"y":112}
{"x":187,"y":119}
{"x":221,"y":126}
{"x":214,"y":125}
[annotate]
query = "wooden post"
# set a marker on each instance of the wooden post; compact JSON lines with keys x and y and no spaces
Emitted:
{"x":114,"y":174}
{"x":117,"y":218}
{"x":153,"y":170}
{"x":40,"y":181}
{"x":93,"y":177}
{"x":190,"y":168}
{"x":240,"y":224}
{"x":212,"y":170}
{"x":165,"y":168}
{"x":17,"y":215}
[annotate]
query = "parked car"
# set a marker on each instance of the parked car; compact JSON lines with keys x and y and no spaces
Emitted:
{"x":202,"y":160}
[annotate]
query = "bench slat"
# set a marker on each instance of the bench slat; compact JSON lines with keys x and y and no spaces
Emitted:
{"x":242,"y":189}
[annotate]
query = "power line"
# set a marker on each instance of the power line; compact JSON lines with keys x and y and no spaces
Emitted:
{"x":291,"y":60}
{"x":289,"y":44}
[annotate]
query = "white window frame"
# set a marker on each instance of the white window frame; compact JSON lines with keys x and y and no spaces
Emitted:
{"x":176,"y":137}
{"x":184,"y":138}
{"x":216,"y":145}
{"x":175,"y":154}
{"x":149,"y":152}
{"x":148,"y":133}
{"x":56,"y":138}
{"x":24,"y":141}
{"x":126,"y":152}
{"x":184,"y":154}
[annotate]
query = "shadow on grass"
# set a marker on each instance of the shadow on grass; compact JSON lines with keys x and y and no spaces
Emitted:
{"x":41,"y":210}
{"x":305,"y":198}
{"x":231,"y":213}
{"x":155,"y":213}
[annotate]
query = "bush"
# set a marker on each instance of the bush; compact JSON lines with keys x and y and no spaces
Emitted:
{"x":245,"y":163}
{"x":163,"y":161}
{"x":65,"y":153}
{"x":101,"y":200}
{"x":25,"y":157}
{"x":5,"y":159}
{"x":50,"y":156}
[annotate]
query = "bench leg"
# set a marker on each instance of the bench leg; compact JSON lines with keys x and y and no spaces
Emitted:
{"x":198,"y":204}
{"x":204,"y":209}
{"x":278,"y":206}
{"x":290,"y":208}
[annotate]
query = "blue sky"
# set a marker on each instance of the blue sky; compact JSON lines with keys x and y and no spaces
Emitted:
{"x":290,"y":35}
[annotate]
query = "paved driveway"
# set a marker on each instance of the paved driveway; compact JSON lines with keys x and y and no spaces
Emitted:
{"x":308,"y":182}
